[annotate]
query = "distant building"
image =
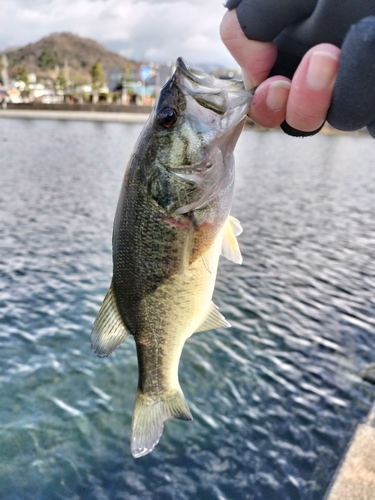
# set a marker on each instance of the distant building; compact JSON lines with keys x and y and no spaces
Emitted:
{"x":114,"y":79}
{"x":117,"y":78}
{"x":83,"y":89}
{"x":157,"y":76}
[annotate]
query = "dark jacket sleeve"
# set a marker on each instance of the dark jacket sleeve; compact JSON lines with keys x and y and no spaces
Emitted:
{"x":298,"y":25}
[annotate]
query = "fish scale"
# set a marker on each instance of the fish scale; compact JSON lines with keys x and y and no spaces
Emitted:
{"x":172,"y":223}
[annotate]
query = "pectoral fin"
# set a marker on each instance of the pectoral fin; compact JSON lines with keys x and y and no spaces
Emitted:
{"x":368,"y":374}
{"x":230,"y":248}
{"x":109,"y":330}
{"x":214,"y":319}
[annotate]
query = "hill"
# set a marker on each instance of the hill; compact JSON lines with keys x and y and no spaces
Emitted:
{"x":60,"y":49}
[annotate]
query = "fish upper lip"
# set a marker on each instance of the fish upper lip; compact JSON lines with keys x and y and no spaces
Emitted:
{"x":195,"y":75}
{"x":207,"y":89}
{"x":184,"y":68}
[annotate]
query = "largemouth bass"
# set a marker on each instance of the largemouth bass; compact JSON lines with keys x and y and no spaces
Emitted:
{"x":171,"y":225}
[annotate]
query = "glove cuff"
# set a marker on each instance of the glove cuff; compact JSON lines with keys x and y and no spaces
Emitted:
{"x":285,"y":127}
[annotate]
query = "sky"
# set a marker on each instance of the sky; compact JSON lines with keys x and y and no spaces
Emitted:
{"x":147,"y":30}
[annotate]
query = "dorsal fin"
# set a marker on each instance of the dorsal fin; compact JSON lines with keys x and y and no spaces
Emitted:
{"x":214,"y":319}
{"x":109,"y":330}
{"x":230,"y":248}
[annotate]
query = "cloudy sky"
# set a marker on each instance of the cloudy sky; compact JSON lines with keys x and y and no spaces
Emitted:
{"x":149,"y":30}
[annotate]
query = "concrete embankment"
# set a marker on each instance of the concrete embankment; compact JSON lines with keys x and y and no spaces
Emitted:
{"x":355,"y":477}
{"x":83,"y":112}
{"x":79,"y":112}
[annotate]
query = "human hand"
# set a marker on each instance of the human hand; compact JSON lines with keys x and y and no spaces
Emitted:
{"x":303,"y":71}
{"x":302,"y":102}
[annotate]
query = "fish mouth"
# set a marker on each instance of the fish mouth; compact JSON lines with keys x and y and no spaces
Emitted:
{"x":227,"y":98}
{"x":220,"y":96}
{"x":193,"y":75}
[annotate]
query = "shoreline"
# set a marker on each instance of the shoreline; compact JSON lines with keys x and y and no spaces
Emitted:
{"x":354,"y":478}
{"x":105,"y":114}
{"x":98,"y":116}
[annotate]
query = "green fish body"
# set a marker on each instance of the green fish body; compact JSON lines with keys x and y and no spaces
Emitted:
{"x":172,"y":223}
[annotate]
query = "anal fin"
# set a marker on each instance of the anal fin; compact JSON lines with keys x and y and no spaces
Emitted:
{"x":108,"y":331}
{"x":214,"y":319}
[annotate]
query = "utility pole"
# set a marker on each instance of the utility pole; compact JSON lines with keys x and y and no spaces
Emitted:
{"x":66,"y":74}
{"x":4,"y":71}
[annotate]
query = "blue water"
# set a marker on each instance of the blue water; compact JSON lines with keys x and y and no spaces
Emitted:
{"x":275,"y":399}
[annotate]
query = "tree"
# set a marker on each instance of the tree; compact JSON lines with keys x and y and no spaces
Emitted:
{"x":126,"y":80}
{"x":127,"y":74}
{"x":61,"y":82}
{"x":48,"y":59}
{"x":21,"y":75}
{"x":97,"y":76}
{"x":23,"y":80}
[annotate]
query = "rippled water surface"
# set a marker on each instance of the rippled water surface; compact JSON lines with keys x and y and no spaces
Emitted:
{"x":275,"y":399}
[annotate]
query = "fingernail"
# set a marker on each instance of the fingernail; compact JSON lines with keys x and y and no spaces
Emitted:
{"x":247,"y":81}
{"x":277,"y":95}
{"x":322,"y":70}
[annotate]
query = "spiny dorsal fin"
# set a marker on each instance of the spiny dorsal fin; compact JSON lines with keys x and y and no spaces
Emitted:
{"x":230,"y":248}
{"x":149,"y":417}
{"x":214,"y":319}
{"x":109,"y":330}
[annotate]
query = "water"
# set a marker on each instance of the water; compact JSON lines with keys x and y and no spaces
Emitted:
{"x":275,"y":399}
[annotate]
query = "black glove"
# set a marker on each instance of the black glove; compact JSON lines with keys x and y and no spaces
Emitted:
{"x":298,"y":25}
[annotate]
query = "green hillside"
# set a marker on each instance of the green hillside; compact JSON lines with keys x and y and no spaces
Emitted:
{"x":63,"y":49}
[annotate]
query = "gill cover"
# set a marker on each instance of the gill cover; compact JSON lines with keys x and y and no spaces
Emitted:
{"x":203,"y":116}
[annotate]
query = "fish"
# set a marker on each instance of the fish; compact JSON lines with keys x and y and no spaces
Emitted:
{"x":368,"y":374}
{"x":171,"y":225}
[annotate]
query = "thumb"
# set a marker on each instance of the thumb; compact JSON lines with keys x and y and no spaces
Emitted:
{"x":255,"y":58}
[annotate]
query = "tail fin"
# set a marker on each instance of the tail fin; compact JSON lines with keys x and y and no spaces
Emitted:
{"x":148,"y":420}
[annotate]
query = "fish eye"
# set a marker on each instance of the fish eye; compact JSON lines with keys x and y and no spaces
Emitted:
{"x":167,"y":117}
